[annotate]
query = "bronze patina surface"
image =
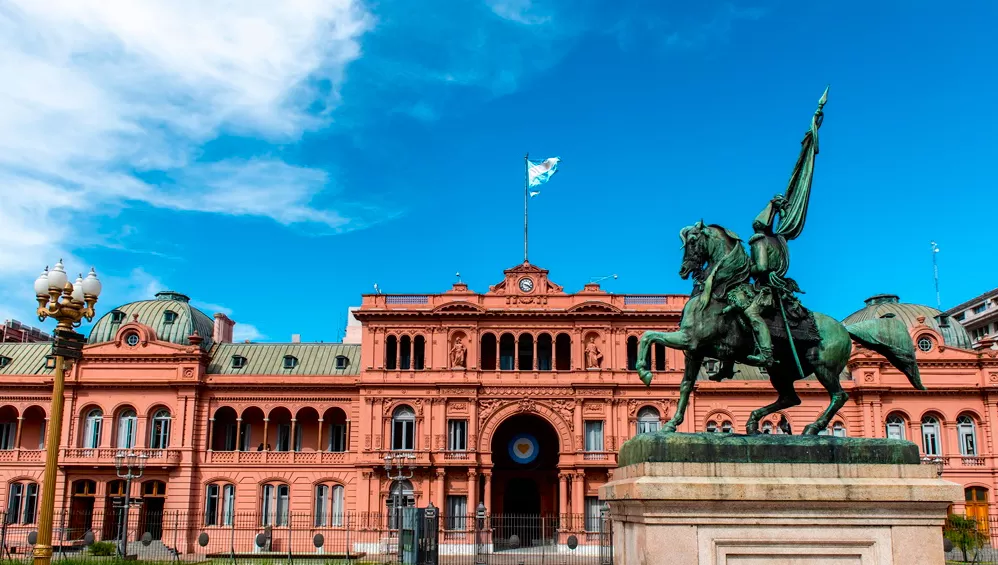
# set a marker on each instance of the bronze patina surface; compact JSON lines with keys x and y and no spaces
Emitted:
{"x":665,"y":447}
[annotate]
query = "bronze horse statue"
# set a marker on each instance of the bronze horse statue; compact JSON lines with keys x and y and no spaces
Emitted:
{"x":711,"y":328}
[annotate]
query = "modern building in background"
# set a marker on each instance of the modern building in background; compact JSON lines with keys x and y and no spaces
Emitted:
{"x":517,"y":398}
{"x":13,"y":331}
{"x":978,"y":316}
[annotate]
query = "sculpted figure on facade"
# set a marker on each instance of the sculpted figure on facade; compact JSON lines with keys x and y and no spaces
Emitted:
{"x":594,"y":357}
{"x":458,"y":354}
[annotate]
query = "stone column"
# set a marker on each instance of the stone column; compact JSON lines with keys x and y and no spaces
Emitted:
{"x":487,"y":475}
{"x":211,"y":429}
{"x":17,"y":434}
{"x":578,"y":498}
{"x":318,"y":440}
{"x":562,"y":494}
{"x":579,"y":426}
{"x":516,"y":354}
{"x":266,"y":436}
{"x":107,"y":431}
{"x":346,"y":433}
{"x":535,"y":364}
{"x":294,"y":428}
{"x":472,"y":489}
{"x":438,"y":489}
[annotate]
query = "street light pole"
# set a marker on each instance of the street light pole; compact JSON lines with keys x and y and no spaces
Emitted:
{"x":128,"y":466}
{"x":68,"y":304}
{"x":400,"y":460}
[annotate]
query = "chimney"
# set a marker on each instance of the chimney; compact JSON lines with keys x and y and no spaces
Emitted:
{"x":222,"y":332}
{"x":295,"y":338}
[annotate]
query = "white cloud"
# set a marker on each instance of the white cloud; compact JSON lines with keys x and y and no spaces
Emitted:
{"x":243,"y":332}
{"x":520,"y":11}
{"x":94,"y":90}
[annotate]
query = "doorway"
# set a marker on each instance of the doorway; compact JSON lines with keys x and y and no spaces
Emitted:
{"x":81,"y":509}
{"x":151,"y":516}
{"x":114,"y":505}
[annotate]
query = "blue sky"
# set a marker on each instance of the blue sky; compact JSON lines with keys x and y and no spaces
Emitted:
{"x":275,"y":160}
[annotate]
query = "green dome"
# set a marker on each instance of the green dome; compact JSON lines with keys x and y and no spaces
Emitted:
{"x":170,"y":314}
{"x":888,"y":305}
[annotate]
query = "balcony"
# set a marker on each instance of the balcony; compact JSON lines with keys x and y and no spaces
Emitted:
{"x":104,"y":456}
{"x":22,"y":455}
{"x":278,"y":457}
{"x":599,"y":458}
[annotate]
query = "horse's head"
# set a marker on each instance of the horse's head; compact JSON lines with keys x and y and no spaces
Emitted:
{"x":695,"y":252}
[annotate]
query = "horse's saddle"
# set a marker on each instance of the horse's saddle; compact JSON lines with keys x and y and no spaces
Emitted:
{"x":801,"y":321}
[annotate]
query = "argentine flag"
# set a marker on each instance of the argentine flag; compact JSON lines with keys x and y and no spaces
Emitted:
{"x":540,"y":173}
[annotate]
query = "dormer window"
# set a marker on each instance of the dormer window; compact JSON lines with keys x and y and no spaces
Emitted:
{"x":169,"y":317}
{"x":290,"y":361}
{"x":238,"y":361}
{"x":49,"y":362}
{"x":4,"y":361}
{"x":341,"y":362}
{"x":117,"y":316}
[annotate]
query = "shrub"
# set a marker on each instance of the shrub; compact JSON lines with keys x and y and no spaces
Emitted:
{"x":965,"y":533}
{"x":103,"y":548}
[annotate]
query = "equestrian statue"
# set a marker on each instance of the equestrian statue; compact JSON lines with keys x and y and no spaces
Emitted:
{"x":744,"y":309}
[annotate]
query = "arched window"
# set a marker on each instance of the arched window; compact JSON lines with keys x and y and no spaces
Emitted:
{"x":488,"y":353}
{"x":895,"y":427}
{"x":726,"y":427}
{"x":839,"y":429}
{"x":22,"y":503}
{"x":403,"y":428}
{"x":274,"y":500}
{"x":967,"y":432}
{"x":328,"y":505}
{"x":525,"y":345}
{"x":219,"y":504}
{"x":391,"y":352}
{"x":712,"y":426}
{"x":405,"y":353}
{"x":507,"y":347}
{"x":544,"y":352}
{"x":648,"y":420}
{"x":632,"y":353}
{"x":92,"y":428}
{"x":159,"y":435}
{"x":563,"y":353}
{"x":418,"y":352}
{"x":127,"y":424}
{"x":767,"y":427}
{"x":930,"y":436}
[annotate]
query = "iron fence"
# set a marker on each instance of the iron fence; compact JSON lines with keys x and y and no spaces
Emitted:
{"x":352,"y":537}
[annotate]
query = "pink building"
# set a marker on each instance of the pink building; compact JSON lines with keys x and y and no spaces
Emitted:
{"x":516,"y":398}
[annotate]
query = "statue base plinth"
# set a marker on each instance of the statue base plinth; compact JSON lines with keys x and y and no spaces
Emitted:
{"x":778,"y":513}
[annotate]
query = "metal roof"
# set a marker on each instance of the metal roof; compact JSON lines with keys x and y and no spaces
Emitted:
{"x":886,"y":304}
{"x":268,"y":358}
{"x":25,"y":358}
{"x":153,"y":313}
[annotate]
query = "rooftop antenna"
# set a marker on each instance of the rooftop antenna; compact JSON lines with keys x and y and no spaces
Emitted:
{"x":458,"y":275}
{"x":599,"y":279}
{"x":935,"y":273}
{"x":376,"y":289}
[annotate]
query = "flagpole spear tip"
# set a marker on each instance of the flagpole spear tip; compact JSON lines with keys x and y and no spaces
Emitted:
{"x":824,"y":97}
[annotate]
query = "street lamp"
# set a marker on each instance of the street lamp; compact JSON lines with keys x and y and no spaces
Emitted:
{"x":128,"y":466}
{"x":398,"y":461}
{"x":68,"y":303}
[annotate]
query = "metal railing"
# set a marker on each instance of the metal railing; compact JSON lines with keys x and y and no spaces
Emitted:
{"x":360,"y":537}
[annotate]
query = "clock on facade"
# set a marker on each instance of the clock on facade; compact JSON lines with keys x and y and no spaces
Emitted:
{"x":526,"y":285}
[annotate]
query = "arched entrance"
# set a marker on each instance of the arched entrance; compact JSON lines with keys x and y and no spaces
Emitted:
{"x":525,"y":467}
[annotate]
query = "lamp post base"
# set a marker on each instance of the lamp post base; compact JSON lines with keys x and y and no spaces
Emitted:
{"x":42,"y":554}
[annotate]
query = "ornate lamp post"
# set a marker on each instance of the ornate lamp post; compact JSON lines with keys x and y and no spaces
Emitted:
{"x":400,"y":462}
{"x":68,"y":303}
{"x":128,"y":466}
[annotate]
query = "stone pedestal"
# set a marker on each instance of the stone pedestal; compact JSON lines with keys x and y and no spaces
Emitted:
{"x":683,"y":513}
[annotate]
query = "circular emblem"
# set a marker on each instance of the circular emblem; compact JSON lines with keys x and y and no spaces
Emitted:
{"x":526,"y":284}
{"x":523,"y":449}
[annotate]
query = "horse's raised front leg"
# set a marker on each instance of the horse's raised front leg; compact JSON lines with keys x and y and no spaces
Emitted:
{"x":693,"y":362}
{"x":675,"y":340}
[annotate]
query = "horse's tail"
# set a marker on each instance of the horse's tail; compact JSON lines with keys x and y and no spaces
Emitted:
{"x":889,"y":337}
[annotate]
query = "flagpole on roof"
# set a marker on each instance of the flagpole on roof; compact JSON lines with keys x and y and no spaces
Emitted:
{"x":526,"y":196}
